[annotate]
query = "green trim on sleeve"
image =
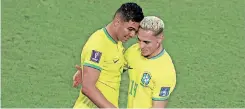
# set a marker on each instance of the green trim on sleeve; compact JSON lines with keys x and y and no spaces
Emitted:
{"x":92,"y":66}
{"x":160,"y":99}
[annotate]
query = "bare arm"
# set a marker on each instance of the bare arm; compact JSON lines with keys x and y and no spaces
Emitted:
{"x":159,"y":104}
{"x":90,"y":77}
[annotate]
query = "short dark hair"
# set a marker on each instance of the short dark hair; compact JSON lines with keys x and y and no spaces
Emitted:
{"x":130,"y":11}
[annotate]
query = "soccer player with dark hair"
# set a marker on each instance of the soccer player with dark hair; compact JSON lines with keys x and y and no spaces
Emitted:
{"x":102,"y":59}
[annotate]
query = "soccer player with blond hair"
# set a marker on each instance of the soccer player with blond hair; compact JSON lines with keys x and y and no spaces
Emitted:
{"x":151,"y":70}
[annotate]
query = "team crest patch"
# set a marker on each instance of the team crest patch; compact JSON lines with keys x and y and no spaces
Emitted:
{"x":164,"y":91}
{"x":145,"y":80}
{"x":95,"y":56}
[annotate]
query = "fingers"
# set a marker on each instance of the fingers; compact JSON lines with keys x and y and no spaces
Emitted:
{"x":78,"y":67}
{"x":76,"y":79}
{"x":75,"y":84}
{"x":77,"y":76}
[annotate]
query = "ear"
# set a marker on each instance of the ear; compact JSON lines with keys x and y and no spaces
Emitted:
{"x":117,"y":20}
{"x":160,"y":38}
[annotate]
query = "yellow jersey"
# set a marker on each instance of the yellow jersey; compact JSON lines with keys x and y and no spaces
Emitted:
{"x":106,"y":55}
{"x":150,"y":79}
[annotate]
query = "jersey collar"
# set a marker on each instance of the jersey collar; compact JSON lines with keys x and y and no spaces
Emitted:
{"x":159,"y":55}
{"x":109,"y":36}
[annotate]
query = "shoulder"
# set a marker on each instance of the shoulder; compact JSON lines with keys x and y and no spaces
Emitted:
{"x":165,"y":59}
{"x":165,"y":66}
{"x":96,"y":40}
{"x":98,"y":36}
{"x":133,"y":48}
{"x":132,"y":51}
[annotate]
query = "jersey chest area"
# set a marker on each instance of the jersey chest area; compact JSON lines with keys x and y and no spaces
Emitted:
{"x":114,"y":58}
{"x":142,"y":75}
{"x":142,"y":70}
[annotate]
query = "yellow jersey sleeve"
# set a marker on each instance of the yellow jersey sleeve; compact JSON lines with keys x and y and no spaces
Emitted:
{"x":164,"y":84}
{"x":94,"y":58}
{"x":94,"y":54}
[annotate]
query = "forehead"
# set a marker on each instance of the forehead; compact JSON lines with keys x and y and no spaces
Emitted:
{"x":145,"y":35}
{"x":132,"y":24}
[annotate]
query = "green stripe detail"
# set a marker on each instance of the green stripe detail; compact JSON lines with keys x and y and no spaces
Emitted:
{"x":92,"y":66}
{"x":109,"y":36}
{"x":160,"y":99}
{"x":159,"y":55}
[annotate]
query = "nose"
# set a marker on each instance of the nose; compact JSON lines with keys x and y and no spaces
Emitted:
{"x":142,"y":45}
{"x":132,"y":34}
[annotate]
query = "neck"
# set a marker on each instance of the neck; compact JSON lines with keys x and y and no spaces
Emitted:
{"x":111,"y":31}
{"x":156,"y":52}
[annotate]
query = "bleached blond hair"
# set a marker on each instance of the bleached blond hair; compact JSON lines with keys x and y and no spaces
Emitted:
{"x":152,"y":23}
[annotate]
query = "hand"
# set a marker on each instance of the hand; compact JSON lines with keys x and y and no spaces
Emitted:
{"x":77,"y":78}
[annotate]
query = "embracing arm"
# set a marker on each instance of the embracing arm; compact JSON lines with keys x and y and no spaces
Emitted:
{"x":90,"y":77}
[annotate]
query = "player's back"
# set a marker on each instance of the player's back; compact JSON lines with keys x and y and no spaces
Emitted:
{"x":101,"y":52}
{"x":152,"y":79}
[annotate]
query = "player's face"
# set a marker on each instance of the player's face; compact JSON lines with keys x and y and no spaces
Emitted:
{"x":127,"y":30}
{"x":148,"y":42}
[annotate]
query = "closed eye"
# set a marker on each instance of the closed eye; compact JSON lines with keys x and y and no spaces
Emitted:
{"x":131,"y":29}
{"x":146,"y":42}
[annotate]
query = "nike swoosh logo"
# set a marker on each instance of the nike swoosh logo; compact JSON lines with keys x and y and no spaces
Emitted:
{"x":130,"y":68}
{"x":115,"y":61}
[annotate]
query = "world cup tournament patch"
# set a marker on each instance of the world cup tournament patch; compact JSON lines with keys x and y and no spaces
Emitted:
{"x":95,"y":57}
{"x":164,"y":91}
